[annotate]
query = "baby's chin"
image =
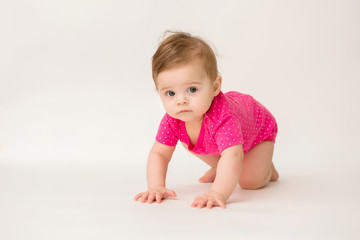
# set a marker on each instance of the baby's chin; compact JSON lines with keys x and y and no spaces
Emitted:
{"x":187,"y":117}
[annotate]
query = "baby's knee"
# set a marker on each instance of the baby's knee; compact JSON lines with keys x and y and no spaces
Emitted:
{"x":253,"y":181}
{"x":250,"y":185}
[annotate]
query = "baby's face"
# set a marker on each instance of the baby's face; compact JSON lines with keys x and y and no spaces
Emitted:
{"x":186,"y":91}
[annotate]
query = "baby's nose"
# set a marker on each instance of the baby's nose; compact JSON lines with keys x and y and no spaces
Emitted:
{"x":182,"y":100}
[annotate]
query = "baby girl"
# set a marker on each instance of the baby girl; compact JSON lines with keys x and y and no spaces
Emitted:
{"x":231,"y":132}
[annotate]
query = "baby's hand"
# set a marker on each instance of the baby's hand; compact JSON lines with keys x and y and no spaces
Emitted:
{"x":209,"y":200}
{"x":155,"y":193}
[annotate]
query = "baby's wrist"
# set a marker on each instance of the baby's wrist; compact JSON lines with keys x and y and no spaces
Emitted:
{"x":156,"y":186}
{"x":220,"y":193}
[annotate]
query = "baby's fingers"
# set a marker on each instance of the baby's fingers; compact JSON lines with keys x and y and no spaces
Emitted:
{"x":144,"y":197}
{"x":158,"y":197}
{"x":194,"y":203}
{"x":138,"y":196}
{"x":220,"y":203}
{"x":169,"y":193}
{"x":151,"y":197}
{"x":199,"y":202}
{"x":210,"y":203}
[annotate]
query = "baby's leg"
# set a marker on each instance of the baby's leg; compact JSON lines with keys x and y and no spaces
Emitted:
{"x":258,"y":168}
{"x":212,"y":161}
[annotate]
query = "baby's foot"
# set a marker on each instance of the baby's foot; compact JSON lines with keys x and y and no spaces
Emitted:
{"x":275,"y":174}
{"x":209,"y":176}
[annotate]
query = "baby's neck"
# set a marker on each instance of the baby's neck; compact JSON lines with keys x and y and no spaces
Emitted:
{"x":195,"y":122}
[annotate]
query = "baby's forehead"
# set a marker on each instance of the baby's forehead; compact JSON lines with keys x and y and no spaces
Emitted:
{"x":194,"y":67}
{"x":182,"y":74}
{"x":163,"y":85}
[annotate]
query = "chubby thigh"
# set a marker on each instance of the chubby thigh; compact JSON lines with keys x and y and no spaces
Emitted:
{"x":257,"y":169}
{"x":257,"y":165}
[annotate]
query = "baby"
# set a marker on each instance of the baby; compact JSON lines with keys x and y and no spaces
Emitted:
{"x":231,"y":132}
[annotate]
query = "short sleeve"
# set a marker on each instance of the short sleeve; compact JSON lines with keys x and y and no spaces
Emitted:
{"x":166,"y":134}
{"x":228,"y":133}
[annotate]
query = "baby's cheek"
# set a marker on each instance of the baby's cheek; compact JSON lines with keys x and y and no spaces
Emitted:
{"x":168,"y":108}
{"x":205,"y":106}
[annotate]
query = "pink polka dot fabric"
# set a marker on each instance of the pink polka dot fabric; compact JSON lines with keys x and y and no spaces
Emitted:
{"x":233,"y":118}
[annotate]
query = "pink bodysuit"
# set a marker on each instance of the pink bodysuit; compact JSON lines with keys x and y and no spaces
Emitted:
{"x":233,"y":118}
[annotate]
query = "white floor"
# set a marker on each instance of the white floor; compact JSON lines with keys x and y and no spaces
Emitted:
{"x":76,"y":94}
{"x":95,"y":202}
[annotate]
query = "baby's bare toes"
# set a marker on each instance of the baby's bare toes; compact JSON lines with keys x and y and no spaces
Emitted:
{"x":275,"y":174}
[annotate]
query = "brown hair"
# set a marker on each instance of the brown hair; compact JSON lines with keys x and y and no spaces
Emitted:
{"x":181,"y":48}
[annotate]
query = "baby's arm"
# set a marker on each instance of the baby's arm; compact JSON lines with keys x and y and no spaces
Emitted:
{"x":227,"y":176}
{"x":157,"y":165}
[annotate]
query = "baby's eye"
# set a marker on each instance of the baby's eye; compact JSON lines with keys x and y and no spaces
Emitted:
{"x":170,"y":93}
{"x":192,"y":90}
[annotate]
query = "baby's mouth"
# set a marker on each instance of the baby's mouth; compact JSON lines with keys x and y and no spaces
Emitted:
{"x":184,"y":111}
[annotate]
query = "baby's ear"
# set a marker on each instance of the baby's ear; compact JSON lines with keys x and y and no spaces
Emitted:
{"x":217,"y":85}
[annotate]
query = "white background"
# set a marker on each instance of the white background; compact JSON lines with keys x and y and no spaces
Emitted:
{"x":79,"y":113}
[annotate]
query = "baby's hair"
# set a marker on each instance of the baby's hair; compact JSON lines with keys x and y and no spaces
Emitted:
{"x":181,"y":48}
